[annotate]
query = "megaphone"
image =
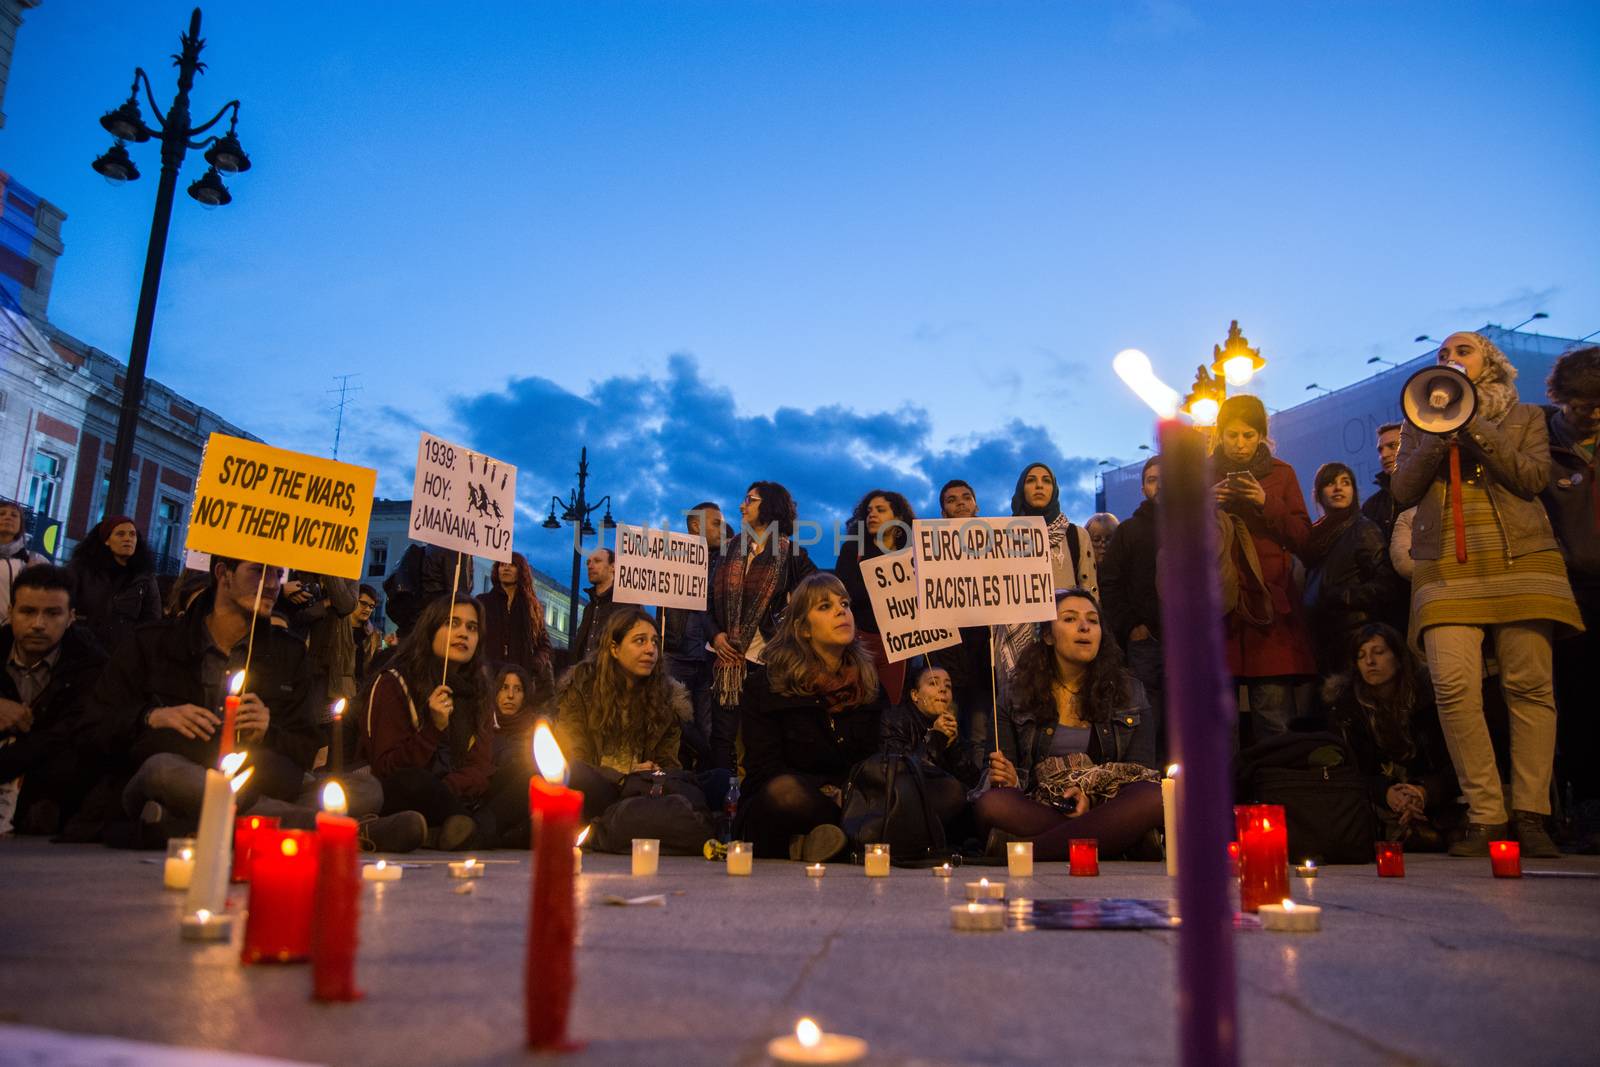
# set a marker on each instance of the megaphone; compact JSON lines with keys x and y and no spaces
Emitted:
{"x":1438,"y":400}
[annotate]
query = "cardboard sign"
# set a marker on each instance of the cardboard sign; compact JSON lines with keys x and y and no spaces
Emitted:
{"x":891,"y":582}
{"x":660,"y":567}
{"x":462,"y":500}
{"x":983,"y":572}
{"x":282,"y":508}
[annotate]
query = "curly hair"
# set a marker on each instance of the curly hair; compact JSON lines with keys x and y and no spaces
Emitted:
{"x":621,"y":709}
{"x":1108,"y":686}
{"x":538,"y":633}
{"x":93,"y":552}
{"x":1576,"y":376}
{"x":422,"y":669}
{"x":793,"y":666}
{"x":777,"y":506}
{"x":1390,"y":720}
{"x":898,"y":535}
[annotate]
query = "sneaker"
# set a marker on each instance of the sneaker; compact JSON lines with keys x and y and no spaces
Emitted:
{"x":458,"y":830}
{"x":1529,"y":830}
{"x":823,"y":843}
{"x":1474,"y":839}
{"x":402,"y":832}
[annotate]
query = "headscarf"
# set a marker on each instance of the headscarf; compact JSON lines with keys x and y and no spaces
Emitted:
{"x":1497,"y":388}
{"x":1019,"y":501}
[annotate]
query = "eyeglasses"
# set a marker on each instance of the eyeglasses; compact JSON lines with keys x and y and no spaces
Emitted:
{"x":367,"y":603}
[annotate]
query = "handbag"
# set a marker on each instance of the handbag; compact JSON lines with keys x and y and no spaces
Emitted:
{"x":886,"y":802}
{"x":676,"y":816}
{"x":1314,"y":777}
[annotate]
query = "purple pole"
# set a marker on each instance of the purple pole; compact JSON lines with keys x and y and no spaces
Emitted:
{"x":1200,"y":708}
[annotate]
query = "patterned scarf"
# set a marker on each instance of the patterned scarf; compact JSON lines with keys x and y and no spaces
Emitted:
{"x":839,"y":690}
{"x":744,"y":619}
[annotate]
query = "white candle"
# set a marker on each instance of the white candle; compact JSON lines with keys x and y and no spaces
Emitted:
{"x":877,"y":861}
{"x":741,"y":857}
{"x":208,"y":882}
{"x":944,"y":870}
{"x":978,"y":916}
{"x":577,"y":850}
{"x":809,"y":1044}
{"x":816,"y":870}
{"x":204,"y":926}
{"x":381,"y":872}
{"x":646,"y":856}
{"x":179,"y":868}
{"x":1019,"y":859}
{"x":467,"y":868}
{"x":983,"y":889}
{"x":1290,"y":918}
{"x":1169,"y":818}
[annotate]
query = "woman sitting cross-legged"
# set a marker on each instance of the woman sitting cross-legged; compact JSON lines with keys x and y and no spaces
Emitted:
{"x":809,"y":714}
{"x":1074,"y":748}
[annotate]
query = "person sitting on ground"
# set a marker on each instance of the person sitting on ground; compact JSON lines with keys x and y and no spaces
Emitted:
{"x":1382,"y":704}
{"x":14,"y":552}
{"x":1348,"y":584}
{"x":51,"y":663}
{"x":1074,"y":755}
{"x":924,"y":728}
{"x":810,"y":713}
{"x":518,"y":705}
{"x":115,"y":578}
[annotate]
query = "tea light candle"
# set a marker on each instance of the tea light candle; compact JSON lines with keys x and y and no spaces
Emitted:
{"x":1308,"y":869}
{"x":467,"y":868}
{"x":1019,"y":859}
{"x":1391,"y":860}
{"x":741,"y":857}
{"x":1505,"y":859}
{"x":816,"y":870}
{"x":877,"y":861}
{"x":944,"y":870}
{"x":1084,"y":855}
{"x":179,"y":867}
{"x":810,"y":1044}
{"x":381,"y":872}
{"x":976,"y":915}
{"x":1290,"y":918}
{"x":202,"y":925}
{"x":646,"y":856}
{"x":983,"y":889}
{"x":577,"y":850}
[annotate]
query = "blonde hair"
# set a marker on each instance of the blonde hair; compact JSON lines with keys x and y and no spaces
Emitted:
{"x":793,"y":666}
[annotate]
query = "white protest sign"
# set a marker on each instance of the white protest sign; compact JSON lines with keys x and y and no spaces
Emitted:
{"x":983,"y":572}
{"x":463,"y":500}
{"x":892,"y":587}
{"x":660,"y":567}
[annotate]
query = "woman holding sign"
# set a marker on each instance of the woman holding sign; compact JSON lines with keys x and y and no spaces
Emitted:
{"x":1074,"y":748}
{"x":881,"y":523}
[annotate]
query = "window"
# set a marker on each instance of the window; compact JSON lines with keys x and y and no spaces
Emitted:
{"x":166,"y":533}
{"x":44,"y":483}
{"x":377,"y":559}
{"x":102,"y":490}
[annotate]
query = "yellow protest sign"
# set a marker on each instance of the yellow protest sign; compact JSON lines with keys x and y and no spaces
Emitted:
{"x":284,"y":508}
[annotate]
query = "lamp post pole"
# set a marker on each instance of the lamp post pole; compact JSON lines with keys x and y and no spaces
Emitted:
{"x":576,"y":509}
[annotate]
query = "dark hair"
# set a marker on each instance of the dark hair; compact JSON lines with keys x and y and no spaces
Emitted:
{"x":1108,"y":686}
{"x":1575,"y":376}
{"x":508,"y":670}
{"x":610,"y":555}
{"x":1390,"y":427}
{"x":954,"y":483}
{"x":93,"y":552}
{"x":367,"y":590}
{"x":777,"y":506}
{"x":1390,"y":721}
{"x":1153,"y":461}
{"x":42,"y":576}
{"x":190,"y":584}
{"x":1325,"y":476}
{"x":538,"y":633}
{"x":620,"y":713}
{"x":899,"y":505}
{"x":707,"y":505}
{"x":12,"y":504}
{"x":1247,"y":409}
{"x":415,"y":661}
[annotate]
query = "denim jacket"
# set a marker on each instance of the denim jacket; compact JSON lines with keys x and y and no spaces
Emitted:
{"x":1125,"y":737}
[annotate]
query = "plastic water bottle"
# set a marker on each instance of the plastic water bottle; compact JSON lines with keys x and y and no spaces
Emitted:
{"x":729,"y":807}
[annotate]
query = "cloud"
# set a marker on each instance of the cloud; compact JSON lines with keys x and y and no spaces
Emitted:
{"x":1524,"y":302}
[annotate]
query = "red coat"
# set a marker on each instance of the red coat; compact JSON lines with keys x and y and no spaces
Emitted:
{"x":398,"y":735}
{"x":1280,"y":530}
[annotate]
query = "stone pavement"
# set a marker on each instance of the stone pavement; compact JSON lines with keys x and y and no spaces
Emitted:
{"x":1446,"y":966}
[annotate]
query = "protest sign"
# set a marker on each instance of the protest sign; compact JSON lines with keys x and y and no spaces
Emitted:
{"x":982,"y":572}
{"x":282,"y":508}
{"x":660,"y":567}
{"x":892,"y":587}
{"x":462,"y":500}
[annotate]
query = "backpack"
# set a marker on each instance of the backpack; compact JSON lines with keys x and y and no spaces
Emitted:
{"x":886,"y":802}
{"x":402,"y":590}
{"x":1323,"y":794}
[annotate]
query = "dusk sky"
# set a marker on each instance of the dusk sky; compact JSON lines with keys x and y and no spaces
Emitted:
{"x":839,"y":245}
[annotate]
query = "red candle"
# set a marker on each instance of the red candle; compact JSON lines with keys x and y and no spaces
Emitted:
{"x":230,"y":712}
{"x":552,"y":923}
{"x":1505,"y":859}
{"x":1391,"y":860}
{"x":283,"y":886}
{"x":1263,"y":855}
{"x":1084,"y":856}
{"x":337,"y":917}
{"x":245,"y":830}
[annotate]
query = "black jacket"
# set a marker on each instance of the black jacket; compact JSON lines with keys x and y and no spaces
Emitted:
{"x":61,"y":715}
{"x":1128,"y":591}
{"x":112,"y":603}
{"x":507,"y":634}
{"x":848,"y":570}
{"x":1428,"y":765}
{"x":796,"y":734}
{"x":594,"y":622}
{"x":159,"y":666}
{"x":1573,"y":500}
{"x":1352,"y":586}
{"x":1381,"y":507}
{"x":907,"y":730}
{"x":1125,"y":737}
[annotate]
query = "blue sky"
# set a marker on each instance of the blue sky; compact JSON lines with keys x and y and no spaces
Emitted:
{"x":835,"y":244}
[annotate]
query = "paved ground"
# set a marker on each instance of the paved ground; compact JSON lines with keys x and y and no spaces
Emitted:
{"x":1446,"y":966}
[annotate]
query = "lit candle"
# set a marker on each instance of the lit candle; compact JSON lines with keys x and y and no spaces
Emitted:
{"x":1391,"y":860}
{"x":976,"y":915}
{"x":337,"y":915}
{"x":1505,"y":859}
{"x":1169,"y":818}
{"x":810,"y":1044}
{"x":577,"y":850}
{"x":983,"y":889}
{"x":230,"y":712}
{"x":741,"y":856}
{"x":552,"y":922}
{"x":646,"y":856}
{"x":1308,"y":869}
{"x":179,"y":868}
{"x":816,"y":870}
{"x":1019,"y":859}
{"x":1290,"y":918}
{"x":944,"y":870}
{"x":467,"y":868}
{"x":245,"y":830}
{"x":338,"y":734}
{"x":208,"y":883}
{"x":1084,"y":856}
{"x":1263,"y":855}
{"x":876,"y":861}
{"x":381,"y":872}
{"x":202,"y":925}
{"x":283,"y":893}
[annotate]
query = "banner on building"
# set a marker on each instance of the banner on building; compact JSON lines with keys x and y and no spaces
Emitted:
{"x":983,"y":572}
{"x":660,"y":567}
{"x":891,"y":582}
{"x":463,"y":500}
{"x":282,"y":508}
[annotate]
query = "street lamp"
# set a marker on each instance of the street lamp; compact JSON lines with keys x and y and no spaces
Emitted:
{"x":1314,"y":385}
{"x":1380,"y":359}
{"x":1234,"y":361}
{"x":176,"y":135}
{"x":1421,"y":337}
{"x":1204,"y":402}
{"x":1531,"y":318}
{"x":576,"y":509}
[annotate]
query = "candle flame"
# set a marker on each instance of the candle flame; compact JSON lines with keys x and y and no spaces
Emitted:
{"x":186,"y":854}
{"x":236,"y":683}
{"x":333,"y":800}
{"x":469,"y":864}
{"x":1311,"y":863}
{"x":338,"y":709}
{"x":808,"y":1033}
{"x":383,"y":864}
{"x":1133,"y":367}
{"x":983,"y":882}
{"x":231,"y":763}
{"x":203,"y":915}
{"x":583,"y":836}
{"x":289,"y":846}
{"x":547,"y":754}
{"x":1172,"y":770}
{"x":1288,"y":905}
{"x":241,"y":778}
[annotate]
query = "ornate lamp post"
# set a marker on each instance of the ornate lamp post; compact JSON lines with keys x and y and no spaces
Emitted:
{"x":1233,"y":364}
{"x":576,"y":509}
{"x":176,"y":135}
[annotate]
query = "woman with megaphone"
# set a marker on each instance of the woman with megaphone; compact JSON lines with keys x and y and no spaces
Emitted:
{"x":1474,"y":460}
